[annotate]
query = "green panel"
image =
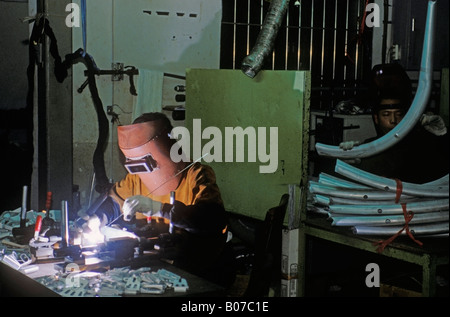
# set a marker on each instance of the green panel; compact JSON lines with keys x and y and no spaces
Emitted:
{"x":228,"y":98}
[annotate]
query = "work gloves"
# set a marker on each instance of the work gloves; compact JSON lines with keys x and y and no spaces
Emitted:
{"x":433,"y":123}
{"x":142,"y":204}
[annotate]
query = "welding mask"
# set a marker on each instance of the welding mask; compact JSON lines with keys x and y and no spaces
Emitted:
{"x":390,"y":82}
{"x":146,"y":147}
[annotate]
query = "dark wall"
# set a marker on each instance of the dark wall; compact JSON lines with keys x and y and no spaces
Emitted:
{"x":411,"y":39}
{"x":15,"y":147}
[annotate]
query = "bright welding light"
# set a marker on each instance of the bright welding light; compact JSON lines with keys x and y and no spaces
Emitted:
{"x":94,"y":236}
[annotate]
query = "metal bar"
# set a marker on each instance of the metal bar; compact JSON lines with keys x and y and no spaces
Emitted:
{"x":287,"y":40}
{"x":416,"y":230}
{"x":65,"y":222}
{"x":299,"y":43}
{"x":388,"y":221}
{"x":312,"y":36}
{"x":335,"y":39}
{"x":328,"y":201}
{"x":330,"y":180}
{"x":390,"y":185}
{"x":391,"y":209}
{"x":234,"y":34}
{"x":364,"y":195}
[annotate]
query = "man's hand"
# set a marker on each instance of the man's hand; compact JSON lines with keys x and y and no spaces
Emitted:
{"x":141,"y":204}
{"x":433,"y":123}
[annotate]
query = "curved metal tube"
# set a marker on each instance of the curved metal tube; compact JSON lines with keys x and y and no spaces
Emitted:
{"x":412,"y":116}
{"x":328,"y":201}
{"x":393,"y":209}
{"x":396,"y":220}
{"x":252,"y":63}
{"x":424,"y":229}
{"x":327,"y":179}
{"x":390,"y":185}
{"x":367,"y":195}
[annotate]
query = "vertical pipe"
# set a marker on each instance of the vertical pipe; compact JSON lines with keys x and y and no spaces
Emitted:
{"x":323,"y":41}
{"x":357,"y":48}
{"x":234,"y":34}
{"x":23,"y":217}
{"x":335,"y":38}
{"x":248,"y":27}
{"x":311,"y":50}
{"x":287,"y":41}
{"x":346,"y":44}
{"x":299,"y":43}
{"x":65,"y":223}
{"x":385,"y":30}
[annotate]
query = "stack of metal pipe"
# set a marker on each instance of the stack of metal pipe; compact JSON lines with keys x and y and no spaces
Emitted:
{"x":374,"y":205}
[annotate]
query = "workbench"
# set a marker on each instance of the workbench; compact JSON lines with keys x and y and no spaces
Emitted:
{"x":433,"y":253}
{"x":16,"y":283}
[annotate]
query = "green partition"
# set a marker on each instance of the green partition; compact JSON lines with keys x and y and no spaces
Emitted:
{"x":274,"y":105}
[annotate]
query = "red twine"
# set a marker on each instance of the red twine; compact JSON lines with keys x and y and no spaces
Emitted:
{"x":408,"y":217}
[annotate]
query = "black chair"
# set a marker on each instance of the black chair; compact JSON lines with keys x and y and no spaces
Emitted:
{"x":266,"y":270}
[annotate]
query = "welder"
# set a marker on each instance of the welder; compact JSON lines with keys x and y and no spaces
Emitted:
{"x":185,"y":194}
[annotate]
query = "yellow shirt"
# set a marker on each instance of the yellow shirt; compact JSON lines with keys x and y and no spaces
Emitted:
{"x":198,"y":184}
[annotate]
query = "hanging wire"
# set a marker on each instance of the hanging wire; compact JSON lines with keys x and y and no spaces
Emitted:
{"x":83,"y":25}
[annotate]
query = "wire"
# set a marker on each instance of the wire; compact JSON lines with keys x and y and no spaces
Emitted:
{"x":184,"y":169}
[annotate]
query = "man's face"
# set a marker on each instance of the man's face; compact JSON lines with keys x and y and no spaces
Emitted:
{"x":387,"y":119}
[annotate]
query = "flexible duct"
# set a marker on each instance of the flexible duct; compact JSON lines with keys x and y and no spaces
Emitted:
{"x":412,"y":116}
{"x":265,"y":41}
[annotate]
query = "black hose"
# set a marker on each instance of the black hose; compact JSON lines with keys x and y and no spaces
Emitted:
{"x":102,"y":181}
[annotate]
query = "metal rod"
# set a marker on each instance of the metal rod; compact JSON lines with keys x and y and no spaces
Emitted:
{"x":390,"y":185}
{"x":389,"y":221}
{"x":424,"y":229}
{"x":393,"y":209}
{"x":65,"y":222}
{"x":23,"y":217}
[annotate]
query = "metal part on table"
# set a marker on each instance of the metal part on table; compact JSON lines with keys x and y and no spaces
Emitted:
{"x":115,"y":282}
{"x":414,"y":113}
